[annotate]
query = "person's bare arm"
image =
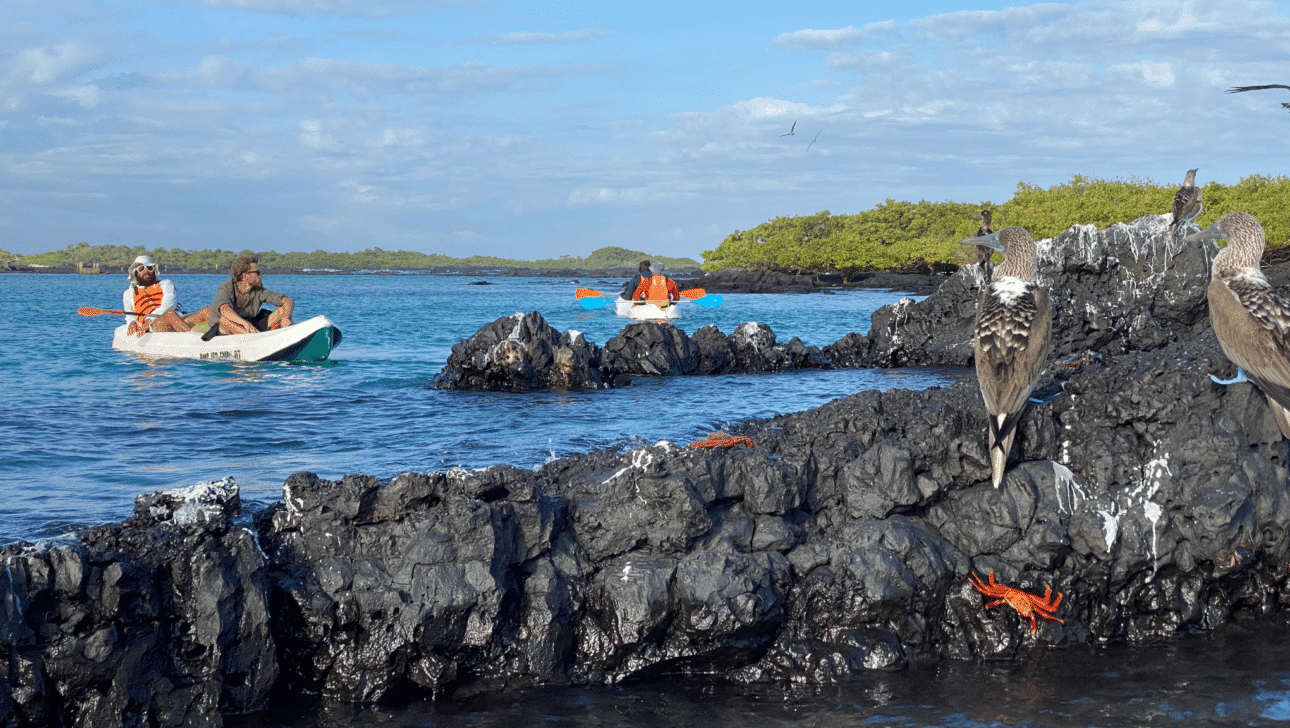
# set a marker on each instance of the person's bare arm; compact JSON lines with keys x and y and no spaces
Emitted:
{"x":231,"y":323}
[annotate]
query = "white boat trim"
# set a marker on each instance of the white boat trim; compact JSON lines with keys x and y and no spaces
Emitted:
{"x":310,"y":340}
{"x":648,"y":311}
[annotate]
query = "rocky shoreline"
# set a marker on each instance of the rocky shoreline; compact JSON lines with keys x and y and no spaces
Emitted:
{"x":732,"y":280}
{"x":1153,"y":500}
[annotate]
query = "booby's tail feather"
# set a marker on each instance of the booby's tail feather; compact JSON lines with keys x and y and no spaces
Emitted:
{"x":1003,"y":429}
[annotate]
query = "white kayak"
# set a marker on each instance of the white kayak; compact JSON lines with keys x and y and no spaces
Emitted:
{"x":310,"y":340}
{"x":646,"y":311}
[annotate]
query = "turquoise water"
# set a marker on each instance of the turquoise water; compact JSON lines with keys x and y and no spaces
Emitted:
{"x":87,"y":428}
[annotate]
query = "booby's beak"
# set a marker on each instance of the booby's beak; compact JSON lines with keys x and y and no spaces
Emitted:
{"x":1213,"y":232}
{"x":985,"y":241}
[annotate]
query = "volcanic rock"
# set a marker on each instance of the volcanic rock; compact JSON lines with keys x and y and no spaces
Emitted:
{"x":1128,"y":287}
{"x":523,"y":353}
{"x":162,"y":620}
{"x":1152,"y":499}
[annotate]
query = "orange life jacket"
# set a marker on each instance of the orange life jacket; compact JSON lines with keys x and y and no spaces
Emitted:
{"x":146,"y":300}
{"x":657,"y":292}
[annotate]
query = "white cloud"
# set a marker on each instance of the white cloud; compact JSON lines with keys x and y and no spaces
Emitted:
{"x":313,"y":136}
{"x":607,"y":194}
{"x":87,"y":96}
{"x":44,"y":65}
{"x":371,"y":80}
{"x":530,"y":38}
{"x":342,"y":8}
{"x":219,"y":71}
{"x":813,"y":40}
{"x":401,"y":138}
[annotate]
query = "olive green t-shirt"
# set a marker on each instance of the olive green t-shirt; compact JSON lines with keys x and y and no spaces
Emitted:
{"x":246,"y":305}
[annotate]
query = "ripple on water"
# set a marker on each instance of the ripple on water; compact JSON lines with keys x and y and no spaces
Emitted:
{"x":88,"y":428}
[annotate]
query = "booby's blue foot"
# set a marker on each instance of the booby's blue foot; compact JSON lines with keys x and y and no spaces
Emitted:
{"x":1240,"y":377}
{"x":1050,"y":397}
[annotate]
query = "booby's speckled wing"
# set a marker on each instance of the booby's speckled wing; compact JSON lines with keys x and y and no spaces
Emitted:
{"x":1013,"y":337}
{"x":1187,"y":205}
{"x":1252,"y":322}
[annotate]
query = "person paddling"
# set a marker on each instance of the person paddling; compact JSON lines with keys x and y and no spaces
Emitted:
{"x":146,"y":295}
{"x":657,"y":289}
{"x":642,"y":274}
{"x":236,"y":309}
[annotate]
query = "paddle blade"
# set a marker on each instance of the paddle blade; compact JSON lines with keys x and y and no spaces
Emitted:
{"x":582,"y":293}
{"x":693,"y":293}
{"x":92,"y":311}
{"x":593,"y":303}
{"x":712,"y":300}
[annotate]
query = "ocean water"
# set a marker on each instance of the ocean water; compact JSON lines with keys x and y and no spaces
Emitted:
{"x":87,"y":428}
{"x":1238,"y":676}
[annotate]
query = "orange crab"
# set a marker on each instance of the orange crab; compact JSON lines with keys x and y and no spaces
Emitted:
{"x":1027,"y":605}
{"x":721,"y":439}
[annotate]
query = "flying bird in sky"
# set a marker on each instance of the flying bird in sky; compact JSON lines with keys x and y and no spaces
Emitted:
{"x":791,"y":129}
{"x":1241,"y":89}
{"x":817,"y":136}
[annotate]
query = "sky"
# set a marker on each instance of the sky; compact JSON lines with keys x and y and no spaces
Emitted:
{"x":532,"y":130}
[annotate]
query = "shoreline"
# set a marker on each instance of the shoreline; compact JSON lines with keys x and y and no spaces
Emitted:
{"x":728,"y":280}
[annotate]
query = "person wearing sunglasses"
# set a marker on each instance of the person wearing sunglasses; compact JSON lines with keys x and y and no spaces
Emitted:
{"x":152,"y":303}
{"x":236,"y":309}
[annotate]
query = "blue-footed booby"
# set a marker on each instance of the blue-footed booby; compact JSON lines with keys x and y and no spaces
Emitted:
{"x":1013,"y":336}
{"x":1187,"y":202}
{"x":1242,"y":89}
{"x":983,"y":252}
{"x":792,"y":130}
{"x":1251,"y":319}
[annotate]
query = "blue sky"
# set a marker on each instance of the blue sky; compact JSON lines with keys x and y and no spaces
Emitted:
{"x":538,"y":129}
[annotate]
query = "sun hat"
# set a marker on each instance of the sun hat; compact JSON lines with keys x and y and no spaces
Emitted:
{"x":143,"y":261}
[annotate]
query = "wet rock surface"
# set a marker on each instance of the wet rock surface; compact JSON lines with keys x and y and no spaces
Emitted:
{"x":523,"y":353}
{"x":1127,"y":287}
{"x":1153,"y":500}
{"x":162,"y":620}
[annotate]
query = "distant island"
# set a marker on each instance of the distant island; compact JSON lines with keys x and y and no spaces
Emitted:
{"x":895,"y":236}
{"x":84,"y":257}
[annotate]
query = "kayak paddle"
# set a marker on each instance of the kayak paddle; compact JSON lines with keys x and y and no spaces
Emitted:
{"x":592,"y":304}
{"x":712,"y":300}
{"x":91,"y":311}
{"x":585,"y":293}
